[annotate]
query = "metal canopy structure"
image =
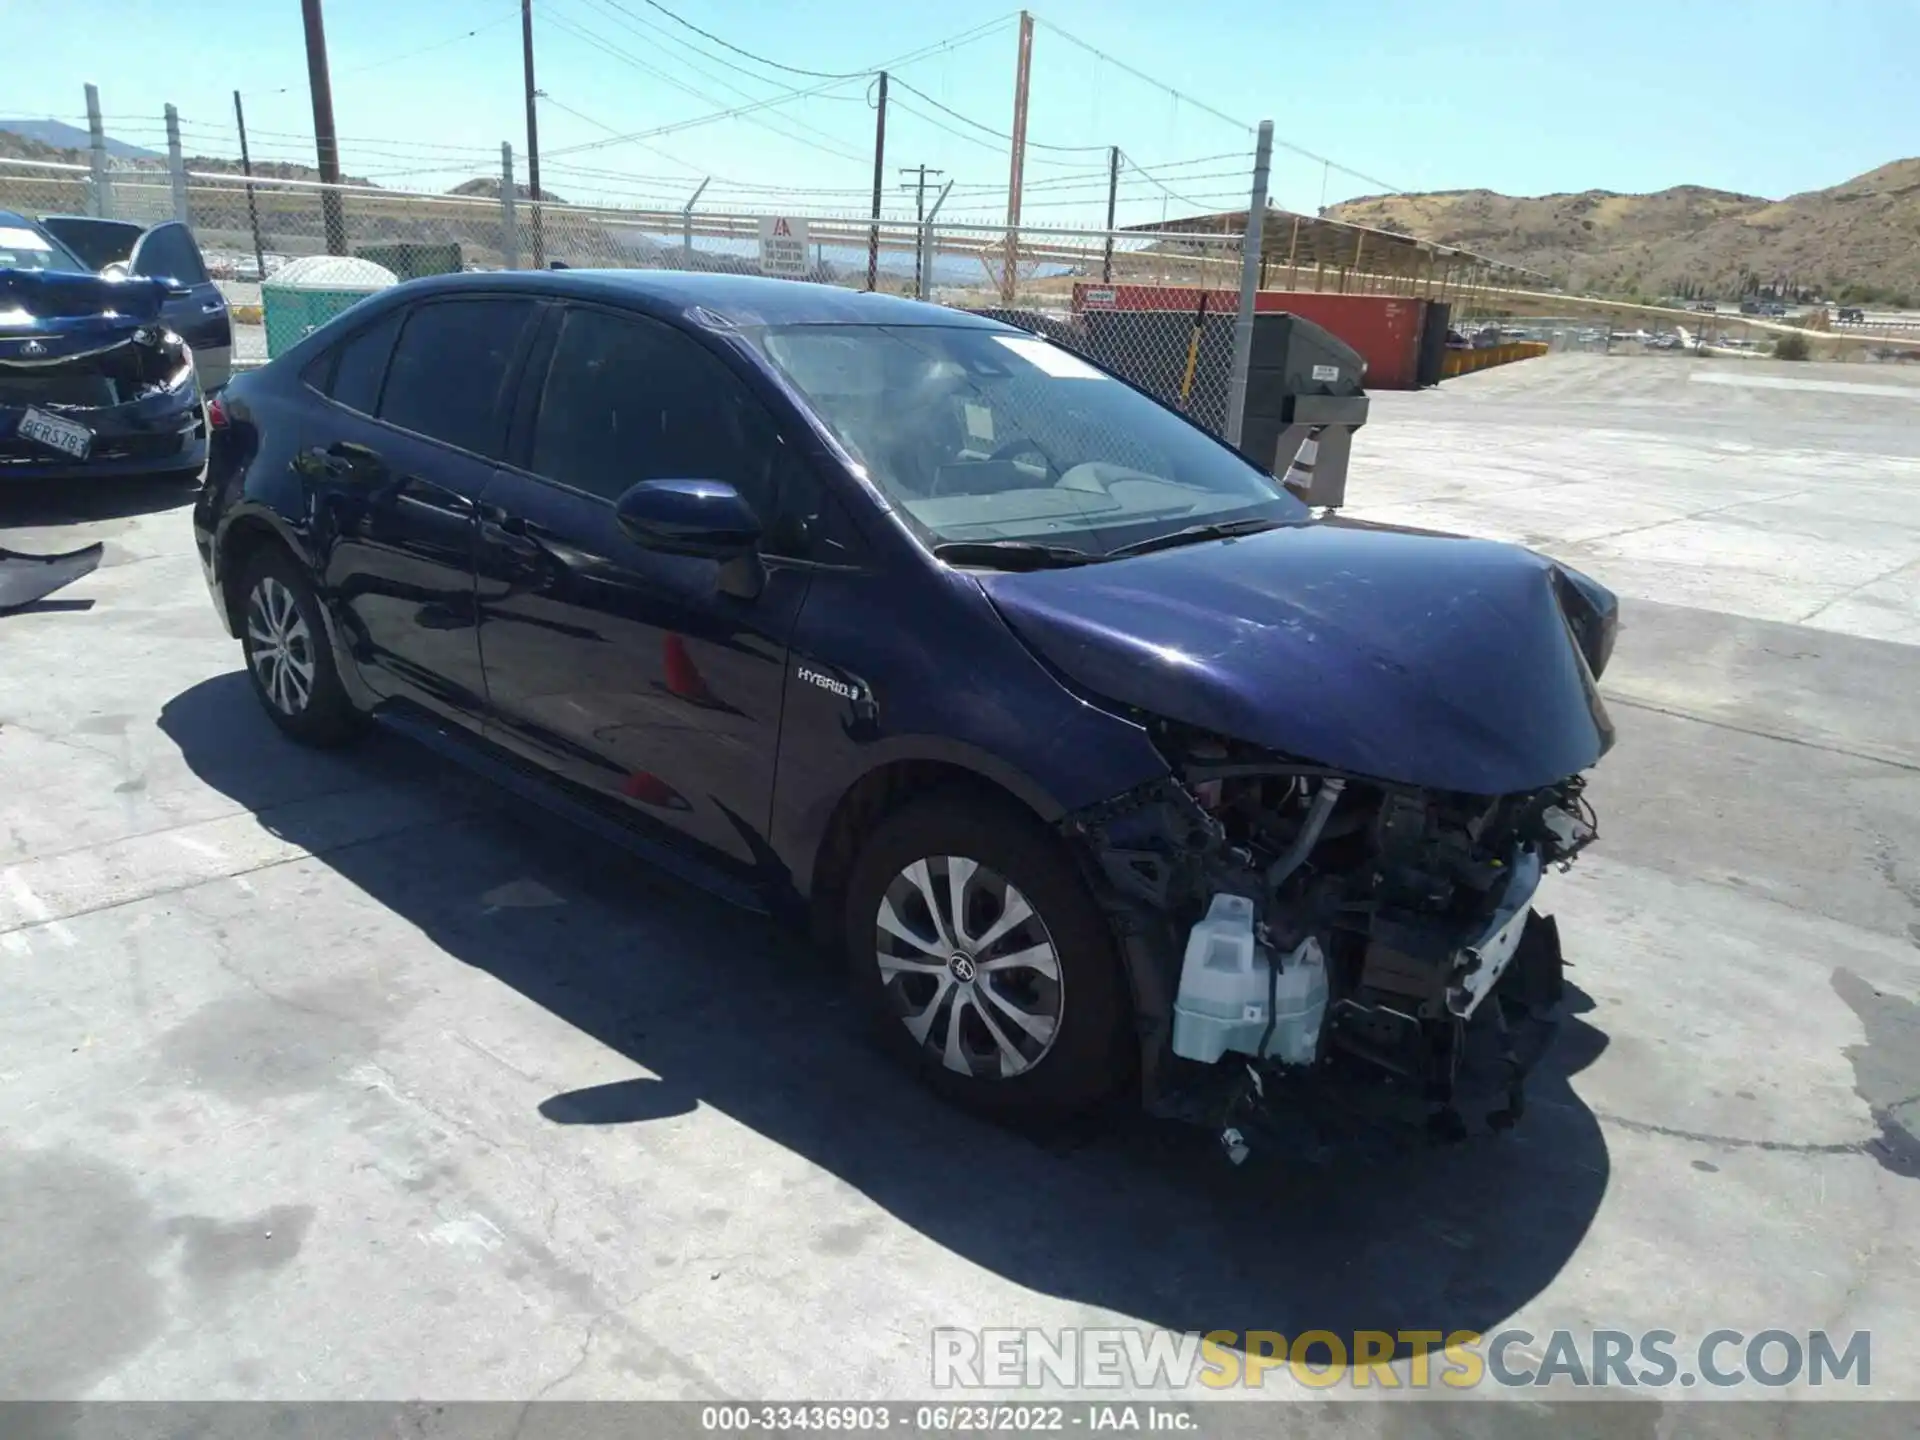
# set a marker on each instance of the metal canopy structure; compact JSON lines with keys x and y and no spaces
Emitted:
{"x":1311,"y":252}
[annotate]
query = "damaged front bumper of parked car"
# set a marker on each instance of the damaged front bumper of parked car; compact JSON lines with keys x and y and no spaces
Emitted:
{"x":1376,"y":744}
{"x":1301,"y":927}
{"x":92,"y":383}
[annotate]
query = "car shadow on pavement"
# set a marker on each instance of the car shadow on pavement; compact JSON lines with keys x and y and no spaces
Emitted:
{"x":72,"y":502}
{"x":1139,"y":1219}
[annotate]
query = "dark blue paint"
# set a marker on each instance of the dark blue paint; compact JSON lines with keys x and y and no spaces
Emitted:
{"x":54,"y":315}
{"x":730,"y":704}
{"x":1430,"y":659}
{"x":190,"y":305}
{"x":704,"y":518}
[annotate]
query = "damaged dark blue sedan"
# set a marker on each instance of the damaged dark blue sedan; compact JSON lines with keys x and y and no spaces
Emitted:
{"x":95,"y":381}
{"x":1103,"y":761}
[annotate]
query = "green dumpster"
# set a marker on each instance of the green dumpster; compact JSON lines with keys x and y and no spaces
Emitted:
{"x":301,"y":296}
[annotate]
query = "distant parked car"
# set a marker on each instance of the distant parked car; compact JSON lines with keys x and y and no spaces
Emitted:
{"x":195,"y":310}
{"x":1851,"y":315}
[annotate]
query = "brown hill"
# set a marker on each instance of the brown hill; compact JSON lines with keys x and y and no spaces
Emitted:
{"x":1860,"y":239}
{"x":489,"y":185}
{"x":26,"y":147}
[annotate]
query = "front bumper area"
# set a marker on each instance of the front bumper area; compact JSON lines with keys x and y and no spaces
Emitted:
{"x":164,"y":433}
{"x":1350,"y":1100}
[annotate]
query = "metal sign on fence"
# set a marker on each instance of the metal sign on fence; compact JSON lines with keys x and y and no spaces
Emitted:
{"x":783,"y":246}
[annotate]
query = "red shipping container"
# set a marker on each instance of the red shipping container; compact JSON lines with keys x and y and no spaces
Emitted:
{"x":1385,"y":329}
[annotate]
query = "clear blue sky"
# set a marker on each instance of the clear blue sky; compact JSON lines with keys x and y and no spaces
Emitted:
{"x":1753,"y":95}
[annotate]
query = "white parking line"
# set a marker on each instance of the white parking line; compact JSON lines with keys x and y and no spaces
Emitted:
{"x":1794,"y":382}
{"x":34,"y":909}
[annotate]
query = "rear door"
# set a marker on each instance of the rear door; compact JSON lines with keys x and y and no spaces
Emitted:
{"x":195,"y":309}
{"x":417,"y":422}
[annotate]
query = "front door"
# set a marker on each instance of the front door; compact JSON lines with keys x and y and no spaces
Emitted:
{"x":655,"y":680}
{"x":396,"y":473}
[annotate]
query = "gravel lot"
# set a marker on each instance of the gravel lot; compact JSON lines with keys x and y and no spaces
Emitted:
{"x":334,"y":1077}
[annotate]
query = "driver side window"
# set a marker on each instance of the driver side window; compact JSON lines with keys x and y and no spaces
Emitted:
{"x":629,"y":399}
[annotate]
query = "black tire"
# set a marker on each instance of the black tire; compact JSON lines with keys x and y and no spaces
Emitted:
{"x":322,"y":716}
{"x":1088,"y":1053}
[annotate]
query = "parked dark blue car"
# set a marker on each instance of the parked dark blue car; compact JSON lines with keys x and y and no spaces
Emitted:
{"x":94,"y":379}
{"x":1047,"y":708}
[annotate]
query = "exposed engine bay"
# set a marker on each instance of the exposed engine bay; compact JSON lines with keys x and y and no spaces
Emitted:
{"x":1316,"y":921}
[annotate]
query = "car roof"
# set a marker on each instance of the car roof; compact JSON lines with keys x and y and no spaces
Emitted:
{"x":740,"y":300}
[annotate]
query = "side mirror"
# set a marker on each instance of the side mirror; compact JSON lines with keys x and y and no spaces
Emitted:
{"x":705,"y":518}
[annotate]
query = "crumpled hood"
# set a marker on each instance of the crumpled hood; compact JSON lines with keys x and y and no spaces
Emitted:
{"x":65,"y":314}
{"x":1433,"y":660}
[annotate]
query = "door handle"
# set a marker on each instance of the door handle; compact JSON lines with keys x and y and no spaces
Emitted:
{"x":214,"y":309}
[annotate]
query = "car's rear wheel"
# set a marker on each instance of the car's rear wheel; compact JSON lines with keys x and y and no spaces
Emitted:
{"x":289,"y":659}
{"x":983,"y":960}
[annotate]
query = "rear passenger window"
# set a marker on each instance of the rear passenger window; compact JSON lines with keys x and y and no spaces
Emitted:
{"x":449,"y":373}
{"x":361,"y":364}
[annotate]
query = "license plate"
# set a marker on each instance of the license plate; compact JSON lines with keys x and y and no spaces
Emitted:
{"x":55,"y":433}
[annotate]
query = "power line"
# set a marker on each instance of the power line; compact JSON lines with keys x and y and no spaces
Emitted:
{"x":757,"y":59}
{"x":429,"y":49}
{"x":997,"y":134}
{"x":608,"y":47}
{"x":646,"y":29}
{"x":581,"y":115}
{"x":1128,"y":162}
{"x":1200,"y":105}
{"x":731,"y":113}
{"x":467,"y":34}
{"x":1205,"y":108}
{"x":965,"y":37}
{"x":830,"y":141}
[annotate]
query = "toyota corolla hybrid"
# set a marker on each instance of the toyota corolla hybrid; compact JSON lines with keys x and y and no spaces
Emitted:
{"x":1101,"y":758}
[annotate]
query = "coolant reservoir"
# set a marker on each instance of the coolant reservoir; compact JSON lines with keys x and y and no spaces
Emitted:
{"x":1225,"y":982}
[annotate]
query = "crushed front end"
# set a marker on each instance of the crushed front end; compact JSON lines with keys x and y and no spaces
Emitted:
{"x":92,"y":382}
{"x":1298,"y":932}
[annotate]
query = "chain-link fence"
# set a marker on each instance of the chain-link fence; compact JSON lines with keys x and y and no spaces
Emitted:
{"x":1075,"y":285}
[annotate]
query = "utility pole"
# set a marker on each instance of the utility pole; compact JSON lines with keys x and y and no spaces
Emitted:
{"x":1021,"y":74}
{"x":1113,"y":199}
{"x":99,"y":201}
{"x":879,"y":175}
{"x":1251,"y":248}
{"x":333,"y":219}
{"x":533,"y":138}
{"x":176,"y":165}
{"x":919,"y":188}
{"x":246,"y":167}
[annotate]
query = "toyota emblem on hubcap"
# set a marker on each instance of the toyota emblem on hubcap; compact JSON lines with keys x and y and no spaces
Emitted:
{"x":962,"y":969}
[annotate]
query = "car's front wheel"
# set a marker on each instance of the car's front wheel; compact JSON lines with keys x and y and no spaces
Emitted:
{"x":289,"y":659}
{"x":985,"y":963}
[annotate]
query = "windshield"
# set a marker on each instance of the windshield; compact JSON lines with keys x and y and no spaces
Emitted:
{"x":985,"y":435}
{"x":23,"y":247}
